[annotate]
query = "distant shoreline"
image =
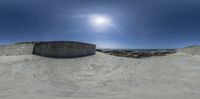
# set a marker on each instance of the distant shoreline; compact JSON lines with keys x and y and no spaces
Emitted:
{"x":137,"y":53}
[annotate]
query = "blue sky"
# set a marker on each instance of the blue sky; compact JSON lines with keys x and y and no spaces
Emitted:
{"x":135,"y":23}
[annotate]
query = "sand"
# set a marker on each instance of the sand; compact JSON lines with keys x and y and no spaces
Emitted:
{"x":101,"y":76}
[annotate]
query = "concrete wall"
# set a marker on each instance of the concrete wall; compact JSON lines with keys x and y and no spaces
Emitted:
{"x":63,"y":49}
{"x":16,"y":49}
{"x":195,"y":50}
{"x":59,"y":49}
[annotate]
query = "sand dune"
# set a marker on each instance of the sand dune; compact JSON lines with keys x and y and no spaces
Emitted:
{"x":100,"y":76}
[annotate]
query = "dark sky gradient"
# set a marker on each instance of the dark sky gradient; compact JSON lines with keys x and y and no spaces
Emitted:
{"x":136,"y":23}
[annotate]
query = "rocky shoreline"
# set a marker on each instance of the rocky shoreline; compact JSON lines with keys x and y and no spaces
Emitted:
{"x":135,"y":54}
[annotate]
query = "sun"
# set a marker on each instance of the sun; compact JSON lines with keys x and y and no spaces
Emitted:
{"x":98,"y":20}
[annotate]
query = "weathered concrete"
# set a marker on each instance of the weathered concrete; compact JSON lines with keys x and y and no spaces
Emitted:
{"x":100,"y":76}
{"x":194,"y":50}
{"x":63,"y":49}
{"x":16,"y":49}
{"x":57,"y":49}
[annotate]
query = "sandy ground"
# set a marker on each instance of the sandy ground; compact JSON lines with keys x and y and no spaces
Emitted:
{"x":100,"y":76}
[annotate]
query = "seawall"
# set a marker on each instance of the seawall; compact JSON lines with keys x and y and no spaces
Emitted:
{"x":57,"y":49}
{"x":63,"y":49}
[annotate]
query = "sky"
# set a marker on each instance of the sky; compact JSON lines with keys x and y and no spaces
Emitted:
{"x":132,"y":23}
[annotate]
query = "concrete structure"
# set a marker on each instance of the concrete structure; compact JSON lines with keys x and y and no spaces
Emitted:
{"x":63,"y":49}
{"x":57,"y":49}
{"x":194,"y":50}
{"x":16,"y":49}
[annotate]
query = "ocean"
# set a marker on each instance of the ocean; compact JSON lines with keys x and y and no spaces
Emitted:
{"x":138,"y":50}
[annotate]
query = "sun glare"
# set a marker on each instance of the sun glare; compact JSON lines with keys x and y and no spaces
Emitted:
{"x":100,"y":20}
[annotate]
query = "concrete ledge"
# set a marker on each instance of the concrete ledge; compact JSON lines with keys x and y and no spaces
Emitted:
{"x":194,"y":50}
{"x":16,"y":49}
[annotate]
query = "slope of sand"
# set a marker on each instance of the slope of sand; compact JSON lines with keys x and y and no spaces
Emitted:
{"x":100,"y":76}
